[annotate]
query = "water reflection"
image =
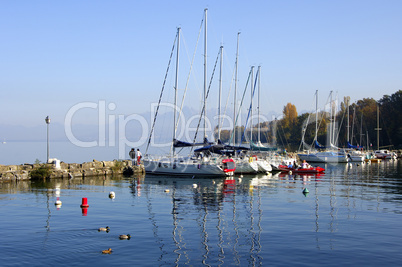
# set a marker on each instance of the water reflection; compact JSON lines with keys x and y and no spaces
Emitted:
{"x":239,"y":221}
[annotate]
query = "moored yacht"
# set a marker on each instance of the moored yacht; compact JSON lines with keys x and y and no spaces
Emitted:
{"x":324,"y":157}
{"x":385,"y":154}
{"x":190,"y":166}
{"x":174,"y":164}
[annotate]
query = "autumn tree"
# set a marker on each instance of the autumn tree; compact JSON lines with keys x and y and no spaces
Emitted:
{"x":289,"y":115}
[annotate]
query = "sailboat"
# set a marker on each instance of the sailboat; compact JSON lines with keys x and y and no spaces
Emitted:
{"x":263,"y":165}
{"x":258,"y":146}
{"x":382,"y":153}
{"x":243,"y":162}
{"x":353,"y":152}
{"x":194,"y":165}
{"x":325,"y":154}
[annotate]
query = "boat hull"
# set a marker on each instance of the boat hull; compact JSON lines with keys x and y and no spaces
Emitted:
{"x":245,"y":166}
{"x":324,"y":157}
{"x":301,"y":170}
{"x":356,"y":158}
{"x":264,"y":166}
{"x":169,"y":167}
{"x":385,"y":154}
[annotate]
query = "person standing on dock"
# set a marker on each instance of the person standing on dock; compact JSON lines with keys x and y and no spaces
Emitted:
{"x":139,"y":156}
{"x":132,"y":155}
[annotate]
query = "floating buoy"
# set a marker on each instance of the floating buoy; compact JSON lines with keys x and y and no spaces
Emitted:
{"x":167,"y":190}
{"x":195,"y":185}
{"x":305,"y":192}
{"x":112,"y":195}
{"x":84,"y":203}
{"x":58,"y":202}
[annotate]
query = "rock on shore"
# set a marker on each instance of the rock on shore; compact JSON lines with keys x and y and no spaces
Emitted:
{"x":71,"y":170}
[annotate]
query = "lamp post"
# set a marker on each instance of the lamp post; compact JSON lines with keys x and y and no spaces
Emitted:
{"x":47,"y":120}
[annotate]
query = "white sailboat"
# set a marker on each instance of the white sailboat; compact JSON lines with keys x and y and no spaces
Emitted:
{"x":263,"y":165}
{"x":382,"y":153}
{"x":176,"y":165}
{"x":243,"y":163}
{"x":246,"y":165}
{"x":331,"y":155}
{"x":353,"y":152}
{"x":323,"y":157}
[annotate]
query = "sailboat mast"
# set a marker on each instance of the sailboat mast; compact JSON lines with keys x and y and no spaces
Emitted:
{"x":205,"y":75}
{"x":258,"y":103}
{"x":347,"y":137}
{"x":361,"y":129}
{"x":334,"y":127}
{"x":175,"y":90}
{"x":251,"y":105}
{"x":220,"y":93}
{"x":235,"y":91}
{"x":316,"y":115}
{"x":378,"y":127}
{"x":331,"y":121}
{"x":353,"y":125}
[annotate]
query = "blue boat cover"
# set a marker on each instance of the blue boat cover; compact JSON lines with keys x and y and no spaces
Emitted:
{"x":318,"y":145}
{"x":352,"y":146}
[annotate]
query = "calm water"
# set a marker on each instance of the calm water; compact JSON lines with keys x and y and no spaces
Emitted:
{"x":351,"y":216}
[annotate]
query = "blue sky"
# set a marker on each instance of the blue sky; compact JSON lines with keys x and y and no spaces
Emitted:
{"x":56,"y":54}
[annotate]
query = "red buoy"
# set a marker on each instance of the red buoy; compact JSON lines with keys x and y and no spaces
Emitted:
{"x":84,"y":203}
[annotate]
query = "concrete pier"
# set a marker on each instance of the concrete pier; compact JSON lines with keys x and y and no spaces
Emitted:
{"x":70,"y":170}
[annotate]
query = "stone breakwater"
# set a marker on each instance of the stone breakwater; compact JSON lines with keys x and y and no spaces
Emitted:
{"x":71,"y":170}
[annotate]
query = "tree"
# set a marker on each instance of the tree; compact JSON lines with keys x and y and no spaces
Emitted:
{"x":390,"y":118}
{"x":289,"y":115}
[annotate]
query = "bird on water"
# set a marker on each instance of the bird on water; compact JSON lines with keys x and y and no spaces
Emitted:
{"x":107,"y":251}
{"x":125,"y":237}
{"x":104,"y":229}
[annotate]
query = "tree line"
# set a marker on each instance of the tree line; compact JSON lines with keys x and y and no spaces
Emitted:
{"x":361,"y":122}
